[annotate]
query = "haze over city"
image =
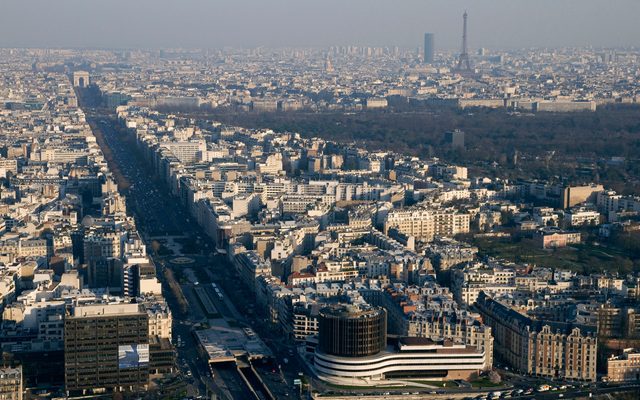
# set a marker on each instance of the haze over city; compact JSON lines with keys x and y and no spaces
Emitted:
{"x":319,"y":200}
{"x":281,"y":23}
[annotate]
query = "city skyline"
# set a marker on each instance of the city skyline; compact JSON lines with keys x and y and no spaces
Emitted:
{"x":259,"y":200}
{"x":285,"y":23}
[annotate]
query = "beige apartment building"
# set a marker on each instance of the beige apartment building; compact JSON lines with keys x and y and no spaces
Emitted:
{"x":540,"y":348}
{"x":625,"y":367}
{"x":11,"y":385}
{"x":426,"y":224}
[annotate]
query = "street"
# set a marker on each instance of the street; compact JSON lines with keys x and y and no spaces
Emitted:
{"x":158,"y":215}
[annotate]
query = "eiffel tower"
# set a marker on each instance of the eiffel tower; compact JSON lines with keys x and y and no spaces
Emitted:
{"x":463,"y":61}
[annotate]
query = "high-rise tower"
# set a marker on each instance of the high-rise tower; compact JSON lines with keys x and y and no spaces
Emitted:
{"x":463,"y":61}
{"x":429,"y":50}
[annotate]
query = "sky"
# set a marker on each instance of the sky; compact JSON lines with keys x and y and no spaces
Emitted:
{"x":317,"y":23}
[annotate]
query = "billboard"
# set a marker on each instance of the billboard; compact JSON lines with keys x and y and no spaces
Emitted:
{"x":133,"y":355}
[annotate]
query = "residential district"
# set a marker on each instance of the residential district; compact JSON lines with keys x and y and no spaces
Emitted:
{"x":148,"y":253}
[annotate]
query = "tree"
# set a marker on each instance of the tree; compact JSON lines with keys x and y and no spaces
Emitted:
{"x":495,"y":377}
{"x":155,"y":246}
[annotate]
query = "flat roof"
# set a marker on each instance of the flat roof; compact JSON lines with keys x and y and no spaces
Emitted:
{"x":226,"y":344}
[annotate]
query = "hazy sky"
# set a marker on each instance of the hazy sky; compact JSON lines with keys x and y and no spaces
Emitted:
{"x":251,"y":23}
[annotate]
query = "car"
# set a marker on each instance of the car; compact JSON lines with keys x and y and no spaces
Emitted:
{"x":544,"y":388}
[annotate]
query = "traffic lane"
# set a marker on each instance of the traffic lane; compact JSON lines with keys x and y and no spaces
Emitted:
{"x":549,"y":395}
{"x":141,"y":203}
{"x":225,"y":305}
{"x":272,"y":377}
{"x":152,"y":208}
{"x":233,"y":382}
{"x":290,"y":368}
{"x":145,"y":205}
{"x":219,"y":303}
{"x":189,"y":353}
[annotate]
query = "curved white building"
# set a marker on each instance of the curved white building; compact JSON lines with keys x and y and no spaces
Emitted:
{"x":414,"y":358}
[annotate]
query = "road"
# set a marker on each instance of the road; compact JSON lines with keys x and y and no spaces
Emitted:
{"x":159,"y":215}
{"x":156,"y":214}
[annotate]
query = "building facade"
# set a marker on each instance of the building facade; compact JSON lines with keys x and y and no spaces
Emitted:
{"x":426,"y":224}
{"x":106,"y":346}
{"x":429,"y":48}
{"x":11,"y":385}
{"x":348,"y":331}
{"x":415,"y":358}
{"x":625,"y":367}
{"x":550,"y":350}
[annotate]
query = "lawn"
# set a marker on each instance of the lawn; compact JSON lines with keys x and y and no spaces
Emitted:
{"x":356,"y":388}
{"x":485,"y":383}
{"x":441,"y":384}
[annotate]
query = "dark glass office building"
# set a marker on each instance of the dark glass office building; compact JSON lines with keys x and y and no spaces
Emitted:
{"x":351,"y":331}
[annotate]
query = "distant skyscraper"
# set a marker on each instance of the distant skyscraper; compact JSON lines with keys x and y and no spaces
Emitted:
{"x":429,"y":49}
